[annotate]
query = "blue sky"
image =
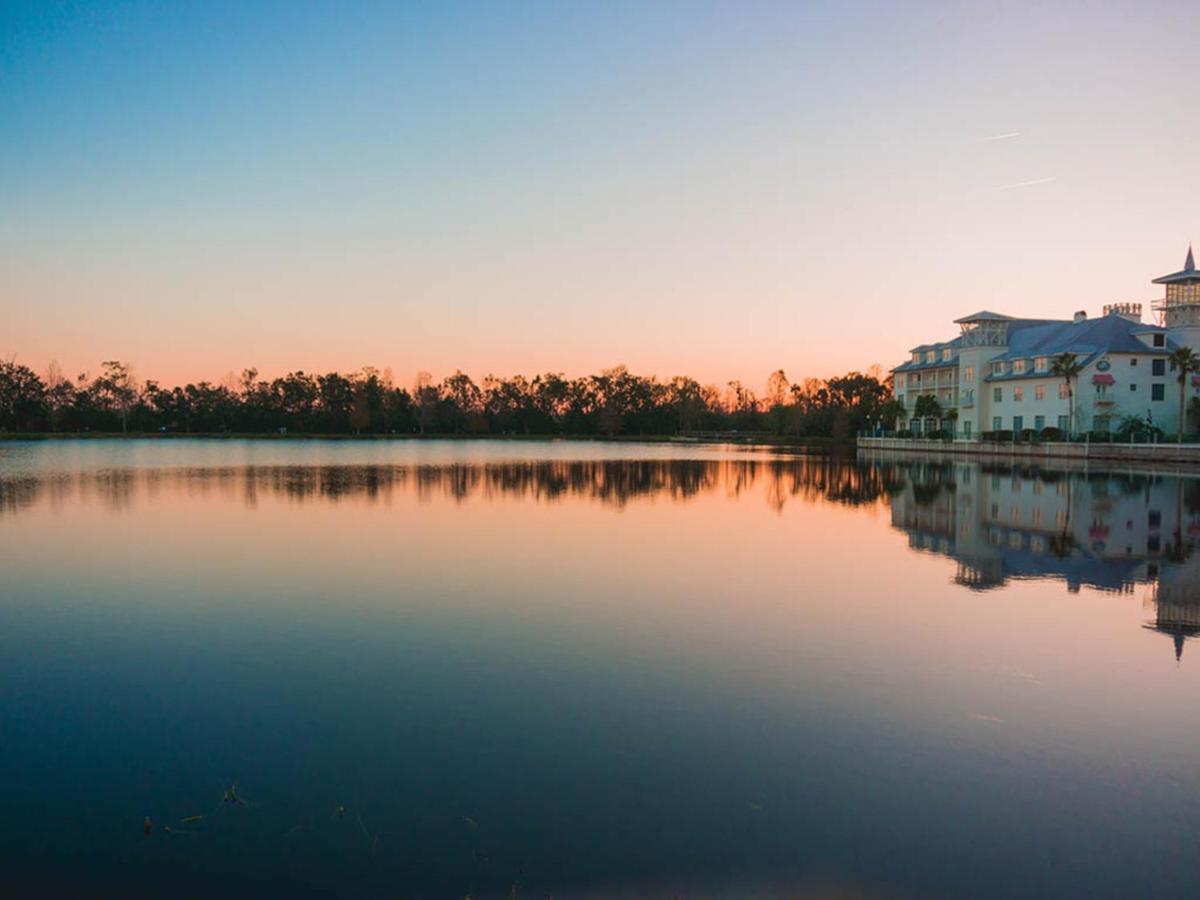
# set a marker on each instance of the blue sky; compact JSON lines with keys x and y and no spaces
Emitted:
{"x":721,"y":189}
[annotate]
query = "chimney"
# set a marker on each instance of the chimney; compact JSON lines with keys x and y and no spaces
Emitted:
{"x":1081,"y":316}
{"x":1130,"y":311}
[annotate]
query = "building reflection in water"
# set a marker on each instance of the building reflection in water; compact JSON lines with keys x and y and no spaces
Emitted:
{"x":1109,"y":531}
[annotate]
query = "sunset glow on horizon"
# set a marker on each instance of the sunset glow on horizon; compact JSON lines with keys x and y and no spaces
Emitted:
{"x":716,"y":190}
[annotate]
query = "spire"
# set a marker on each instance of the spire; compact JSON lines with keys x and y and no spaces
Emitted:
{"x":1178,"y":646}
{"x":1189,"y":264}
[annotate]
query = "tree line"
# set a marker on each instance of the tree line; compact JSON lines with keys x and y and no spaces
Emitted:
{"x":614,"y":402}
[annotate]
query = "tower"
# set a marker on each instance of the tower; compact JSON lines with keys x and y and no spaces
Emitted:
{"x":1181,"y":305}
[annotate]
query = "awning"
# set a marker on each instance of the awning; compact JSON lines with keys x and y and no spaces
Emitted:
{"x":1103,"y":378}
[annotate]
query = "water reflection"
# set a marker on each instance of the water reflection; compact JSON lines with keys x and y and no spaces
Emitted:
{"x":1108,"y":531}
{"x":688,"y":673}
{"x":611,"y":482}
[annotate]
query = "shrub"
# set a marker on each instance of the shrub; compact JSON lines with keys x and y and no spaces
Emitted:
{"x":1028,"y":435}
{"x":1050,"y":433}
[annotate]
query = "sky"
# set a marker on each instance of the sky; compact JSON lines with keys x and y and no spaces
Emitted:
{"x":716,"y":189}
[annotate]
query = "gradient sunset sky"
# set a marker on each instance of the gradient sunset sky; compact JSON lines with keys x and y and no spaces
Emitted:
{"x":711,"y":189}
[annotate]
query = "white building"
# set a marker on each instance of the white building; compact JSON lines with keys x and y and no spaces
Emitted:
{"x":996,"y":375}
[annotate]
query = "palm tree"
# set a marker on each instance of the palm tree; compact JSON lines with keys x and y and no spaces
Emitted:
{"x":1184,"y":361}
{"x":1067,"y":367}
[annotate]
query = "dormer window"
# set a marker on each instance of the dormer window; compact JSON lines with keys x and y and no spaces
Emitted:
{"x":1160,"y":340}
{"x":1042,"y":363}
{"x":931,"y":356}
{"x":998,"y":368}
{"x":916,"y":357}
{"x":947,"y":353}
{"x":1019,"y":367}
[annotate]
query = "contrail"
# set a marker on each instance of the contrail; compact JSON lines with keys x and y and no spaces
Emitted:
{"x":997,"y":137}
{"x":1023,"y":184}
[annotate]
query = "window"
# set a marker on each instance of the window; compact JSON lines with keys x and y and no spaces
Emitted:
{"x":1133,"y":360}
{"x":1042,"y":363}
{"x":1018,"y":423}
{"x":998,"y":368}
{"x":997,"y":394}
{"x":1160,"y":340}
{"x":1154,"y":518}
{"x":947,"y":353}
{"x":930,"y":356}
{"x":966,"y":430}
{"x":1156,"y":392}
{"x":969,"y":373}
{"x":1102,"y":392}
{"x":1158,"y":367}
{"x":1064,"y":423}
{"x":1063,"y":391}
{"x":1039,"y":392}
{"x":1019,"y":367}
{"x":1039,"y":422}
{"x":916,"y":357}
{"x":1018,"y":394}
{"x":1133,"y":387}
{"x":996,"y":426}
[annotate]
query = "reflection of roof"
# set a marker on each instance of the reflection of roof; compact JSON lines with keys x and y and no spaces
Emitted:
{"x":1178,"y":633}
{"x":1187,"y":273}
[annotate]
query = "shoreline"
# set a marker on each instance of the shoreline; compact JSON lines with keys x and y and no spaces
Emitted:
{"x":1186,"y":455}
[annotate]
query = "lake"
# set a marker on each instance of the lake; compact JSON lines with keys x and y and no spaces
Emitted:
{"x":486,"y":668}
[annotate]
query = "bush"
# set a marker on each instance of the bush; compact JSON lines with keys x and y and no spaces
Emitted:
{"x":1004,"y":436}
{"x":1050,"y":433}
{"x":1028,"y":435}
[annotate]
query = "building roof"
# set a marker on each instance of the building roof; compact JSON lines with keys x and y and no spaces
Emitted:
{"x":1030,"y":338}
{"x":1107,"y":334}
{"x":1187,"y":273}
{"x":982,"y":316}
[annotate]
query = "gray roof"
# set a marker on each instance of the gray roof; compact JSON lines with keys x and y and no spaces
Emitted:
{"x":1187,"y":273}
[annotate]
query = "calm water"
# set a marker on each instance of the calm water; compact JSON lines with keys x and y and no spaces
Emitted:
{"x":592,"y":671}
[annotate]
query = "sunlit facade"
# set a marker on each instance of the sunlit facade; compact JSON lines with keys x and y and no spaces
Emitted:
{"x":997,"y":375}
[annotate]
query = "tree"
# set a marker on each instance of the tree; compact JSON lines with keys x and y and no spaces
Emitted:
{"x":890,"y":412}
{"x":115,"y":390}
{"x":1067,"y":367}
{"x":927,"y":407}
{"x":60,"y":394}
{"x":1184,"y":361}
{"x":22,"y":396}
